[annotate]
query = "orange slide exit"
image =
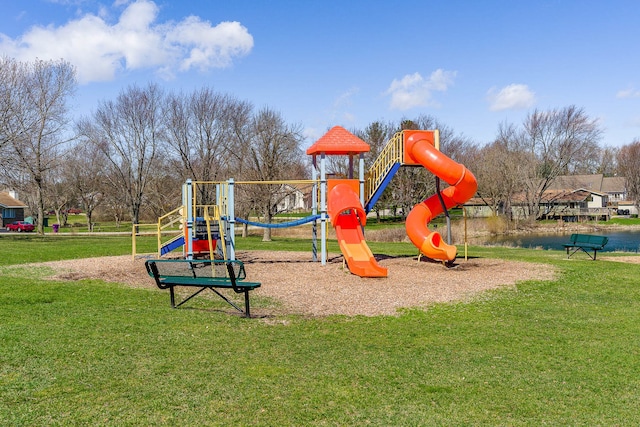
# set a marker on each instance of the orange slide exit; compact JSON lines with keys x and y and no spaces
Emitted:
{"x":463,"y":186}
{"x":348,"y":217}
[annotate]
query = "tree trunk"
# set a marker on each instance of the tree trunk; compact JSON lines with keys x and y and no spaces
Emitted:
{"x":40,"y":206}
{"x":89,"y":224}
{"x":135,"y":213}
{"x":266,"y":235}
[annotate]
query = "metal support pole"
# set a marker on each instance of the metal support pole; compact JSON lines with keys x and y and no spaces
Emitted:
{"x":188,"y":204}
{"x":231,"y":220}
{"x":314,"y":209}
{"x":361,"y":177}
{"x":323,"y":209}
{"x":350,"y":166}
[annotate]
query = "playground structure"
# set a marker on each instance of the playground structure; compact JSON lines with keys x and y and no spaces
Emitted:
{"x":350,"y":200}
{"x":208,"y":229}
{"x":207,"y":224}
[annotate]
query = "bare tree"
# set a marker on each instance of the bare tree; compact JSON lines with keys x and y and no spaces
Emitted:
{"x":274,"y":154}
{"x":203,"y":135}
{"x":490,"y":179}
{"x":11,"y":76}
{"x":35,"y":120}
{"x":629,"y":166}
{"x":129,"y":132}
{"x":376,"y":134}
{"x":163,"y":193}
{"x":557,"y":142}
{"x":60,"y":196}
{"x":114,"y":203}
{"x":500,"y":169}
{"x":607,"y":161}
{"x":84,"y":172}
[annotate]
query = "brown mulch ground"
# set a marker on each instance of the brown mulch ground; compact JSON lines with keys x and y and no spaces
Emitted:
{"x":303,"y":287}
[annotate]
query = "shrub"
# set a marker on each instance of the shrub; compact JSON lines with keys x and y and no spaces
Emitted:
{"x":496,"y":224}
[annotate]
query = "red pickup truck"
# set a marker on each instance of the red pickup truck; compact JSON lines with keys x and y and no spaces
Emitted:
{"x":20,"y":226}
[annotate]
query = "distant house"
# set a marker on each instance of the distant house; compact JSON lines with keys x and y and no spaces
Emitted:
{"x":571,"y":197}
{"x":608,"y":193}
{"x":294,"y":197}
{"x":476,"y":207}
{"x":612,"y":186}
{"x":616,"y":188}
{"x":574,"y":204}
{"x":11,"y":209}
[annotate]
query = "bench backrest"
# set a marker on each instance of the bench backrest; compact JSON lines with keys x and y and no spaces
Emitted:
{"x":590,"y":239}
{"x":213,"y":269}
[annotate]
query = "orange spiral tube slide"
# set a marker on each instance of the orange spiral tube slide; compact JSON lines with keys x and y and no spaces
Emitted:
{"x":463,"y":186}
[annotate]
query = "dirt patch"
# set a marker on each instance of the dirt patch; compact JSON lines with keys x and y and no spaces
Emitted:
{"x":309,"y":288}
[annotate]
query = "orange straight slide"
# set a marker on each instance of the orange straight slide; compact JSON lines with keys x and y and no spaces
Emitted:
{"x":463,"y":185}
{"x":348,"y":217}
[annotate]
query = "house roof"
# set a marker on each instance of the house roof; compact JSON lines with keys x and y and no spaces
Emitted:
{"x":556,"y":196}
{"x":597,"y":193}
{"x":6,"y":201}
{"x":596,"y":182}
{"x":338,"y":141}
{"x":549,"y":196}
{"x":301,"y":187}
{"x":571,"y":182}
{"x":614,"y":184}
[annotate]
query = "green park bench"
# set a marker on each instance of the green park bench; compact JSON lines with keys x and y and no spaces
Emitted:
{"x":202,"y":274}
{"x":586,"y":243}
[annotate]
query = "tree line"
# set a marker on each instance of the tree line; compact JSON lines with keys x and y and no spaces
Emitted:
{"x":128,"y":158}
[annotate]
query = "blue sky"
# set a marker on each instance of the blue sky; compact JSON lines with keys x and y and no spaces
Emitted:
{"x":321,"y":63}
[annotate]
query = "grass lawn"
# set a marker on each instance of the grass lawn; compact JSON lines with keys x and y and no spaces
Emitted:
{"x":90,"y":353}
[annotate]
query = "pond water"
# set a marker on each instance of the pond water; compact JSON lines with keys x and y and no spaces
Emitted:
{"x":624,"y":240}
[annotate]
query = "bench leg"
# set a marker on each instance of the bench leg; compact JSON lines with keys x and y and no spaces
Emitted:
{"x":247,"y":312}
{"x":191,"y":296}
{"x":231,"y":303}
{"x":573,"y":251}
{"x":593,"y":258}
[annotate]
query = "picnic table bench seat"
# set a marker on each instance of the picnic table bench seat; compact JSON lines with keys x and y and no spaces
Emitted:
{"x":585,"y":243}
{"x":202,"y":274}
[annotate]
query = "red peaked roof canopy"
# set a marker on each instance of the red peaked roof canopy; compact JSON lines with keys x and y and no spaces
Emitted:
{"x":338,"y":141}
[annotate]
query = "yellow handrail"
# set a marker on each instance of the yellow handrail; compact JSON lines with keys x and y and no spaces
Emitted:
{"x":167,"y":215}
{"x":135,"y":230}
{"x":391,"y":154}
{"x":216,"y":217}
{"x":177,"y":215}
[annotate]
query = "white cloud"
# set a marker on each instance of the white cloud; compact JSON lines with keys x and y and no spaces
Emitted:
{"x":512,"y":97}
{"x":312,"y":134}
{"x":413,"y":90}
{"x":349,"y":117}
{"x":344,"y":99}
{"x":100,"y":50}
{"x":211,"y":47}
{"x":628,"y":93}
